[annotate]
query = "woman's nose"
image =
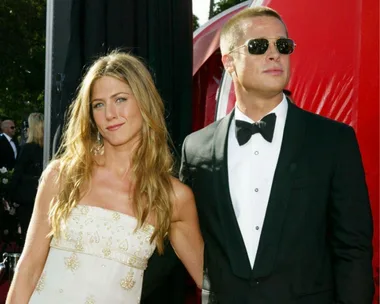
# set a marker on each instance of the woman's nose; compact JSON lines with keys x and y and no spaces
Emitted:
{"x":111,"y":111}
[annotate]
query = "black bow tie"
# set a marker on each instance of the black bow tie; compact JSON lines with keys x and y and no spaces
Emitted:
{"x":244,"y":130}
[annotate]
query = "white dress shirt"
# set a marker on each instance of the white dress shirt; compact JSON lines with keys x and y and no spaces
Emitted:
{"x":251,"y":170}
{"x":11,"y":142}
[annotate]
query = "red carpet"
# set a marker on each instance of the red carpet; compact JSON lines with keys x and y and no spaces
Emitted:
{"x":4,"y":286}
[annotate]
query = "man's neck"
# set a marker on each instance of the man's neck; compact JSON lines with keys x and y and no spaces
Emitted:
{"x":256,"y":106}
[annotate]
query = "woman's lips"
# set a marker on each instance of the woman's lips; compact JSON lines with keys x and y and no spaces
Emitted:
{"x":114,"y":127}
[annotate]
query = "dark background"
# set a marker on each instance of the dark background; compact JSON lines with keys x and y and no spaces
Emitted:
{"x":159,"y":31}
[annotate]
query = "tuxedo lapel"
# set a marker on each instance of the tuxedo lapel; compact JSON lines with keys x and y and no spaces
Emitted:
{"x":294,"y":133}
{"x":234,"y":243}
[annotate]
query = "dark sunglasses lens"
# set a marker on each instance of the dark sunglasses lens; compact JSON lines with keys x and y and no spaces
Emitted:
{"x":13,"y":128}
{"x":285,"y":46}
{"x":258,"y":46}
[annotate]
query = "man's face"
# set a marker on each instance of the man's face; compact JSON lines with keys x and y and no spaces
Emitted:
{"x":265,"y":74}
{"x":9,"y":128}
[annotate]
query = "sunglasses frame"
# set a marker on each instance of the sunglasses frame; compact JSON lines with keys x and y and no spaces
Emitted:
{"x":267,"y":39}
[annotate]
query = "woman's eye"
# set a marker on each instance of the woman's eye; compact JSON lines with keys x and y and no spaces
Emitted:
{"x":121,"y":99}
{"x":97,"y":105}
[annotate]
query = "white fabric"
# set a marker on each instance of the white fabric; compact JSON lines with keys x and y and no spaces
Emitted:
{"x":98,"y":259}
{"x":251,"y":170}
{"x":13,"y":145}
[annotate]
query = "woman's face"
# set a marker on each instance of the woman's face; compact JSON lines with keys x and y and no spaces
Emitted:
{"x":116,"y":112}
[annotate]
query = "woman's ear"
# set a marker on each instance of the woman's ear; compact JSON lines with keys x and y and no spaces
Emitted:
{"x":228,"y":63}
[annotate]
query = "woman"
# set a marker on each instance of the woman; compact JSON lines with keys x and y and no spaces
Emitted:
{"x":28,"y":170}
{"x":108,"y":200}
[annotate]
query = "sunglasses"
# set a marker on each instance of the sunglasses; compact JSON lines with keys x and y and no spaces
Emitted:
{"x":259,"y":46}
{"x":12,"y":127}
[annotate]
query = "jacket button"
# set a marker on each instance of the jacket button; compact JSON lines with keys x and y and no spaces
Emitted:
{"x":254,"y":283}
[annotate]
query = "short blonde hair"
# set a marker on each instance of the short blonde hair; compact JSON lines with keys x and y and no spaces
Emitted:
{"x":36,"y":129}
{"x":232,"y":31}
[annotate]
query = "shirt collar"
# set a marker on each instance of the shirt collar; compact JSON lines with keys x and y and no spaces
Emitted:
{"x":280,"y":110}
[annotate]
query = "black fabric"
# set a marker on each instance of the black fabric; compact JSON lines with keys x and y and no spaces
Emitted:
{"x":28,"y":169}
{"x":164,"y":279}
{"x":316,"y":241}
{"x":23,"y":188}
{"x":244,"y":130}
{"x":159,"y":32}
{"x":7,"y":156}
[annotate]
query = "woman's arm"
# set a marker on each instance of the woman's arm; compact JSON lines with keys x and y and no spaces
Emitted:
{"x":185,"y":235}
{"x":37,"y":243}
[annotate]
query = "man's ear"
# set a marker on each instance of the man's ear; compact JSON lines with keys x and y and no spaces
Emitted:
{"x":228,"y":63}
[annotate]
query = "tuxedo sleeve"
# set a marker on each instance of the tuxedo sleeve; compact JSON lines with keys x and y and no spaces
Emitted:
{"x":351,"y":224}
{"x":184,"y":172}
{"x":207,"y":296}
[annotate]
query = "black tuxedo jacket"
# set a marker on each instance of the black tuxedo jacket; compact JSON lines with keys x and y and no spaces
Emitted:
{"x":7,"y":157}
{"x":27,"y":172}
{"x":315,"y":246}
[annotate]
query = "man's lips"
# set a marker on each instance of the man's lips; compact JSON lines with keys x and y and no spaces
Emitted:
{"x":114,"y":127}
{"x":275,"y":71}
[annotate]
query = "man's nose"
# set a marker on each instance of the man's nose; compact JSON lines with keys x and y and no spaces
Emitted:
{"x":273,"y":53}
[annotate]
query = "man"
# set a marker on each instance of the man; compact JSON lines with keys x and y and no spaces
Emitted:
{"x":8,"y":146}
{"x":281,"y":192}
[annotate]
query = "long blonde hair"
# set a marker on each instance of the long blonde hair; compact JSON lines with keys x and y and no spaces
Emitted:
{"x":152,"y":161}
{"x":36,"y":129}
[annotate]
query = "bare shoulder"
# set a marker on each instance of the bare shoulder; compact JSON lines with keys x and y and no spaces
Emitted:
{"x":183,"y":197}
{"x":181,"y":192}
{"x":51,"y":172}
{"x":49,"y":184}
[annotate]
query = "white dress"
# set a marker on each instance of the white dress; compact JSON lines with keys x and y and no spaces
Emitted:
{"x":98,"y":259}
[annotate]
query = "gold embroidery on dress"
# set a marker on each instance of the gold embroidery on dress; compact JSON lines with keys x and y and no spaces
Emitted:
{"x":124,"y":245}
{"x":128,"y":282}
{"x":90,"y":300}
{"x":132,"y":261}
{"x":139,"y":262}
{"x":107,"y":250}
{"x":88,"y":221}
{"x":94,"y":237}
{"x":67,"y":235}
{"x":84,"y":209}
{"x":115,"y":216}
{"x":79,"y":246}
{"x":72,"y":262}
{"x":146,"y":228}
{"x":41,"y":283}
{"x":79,"y":243}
